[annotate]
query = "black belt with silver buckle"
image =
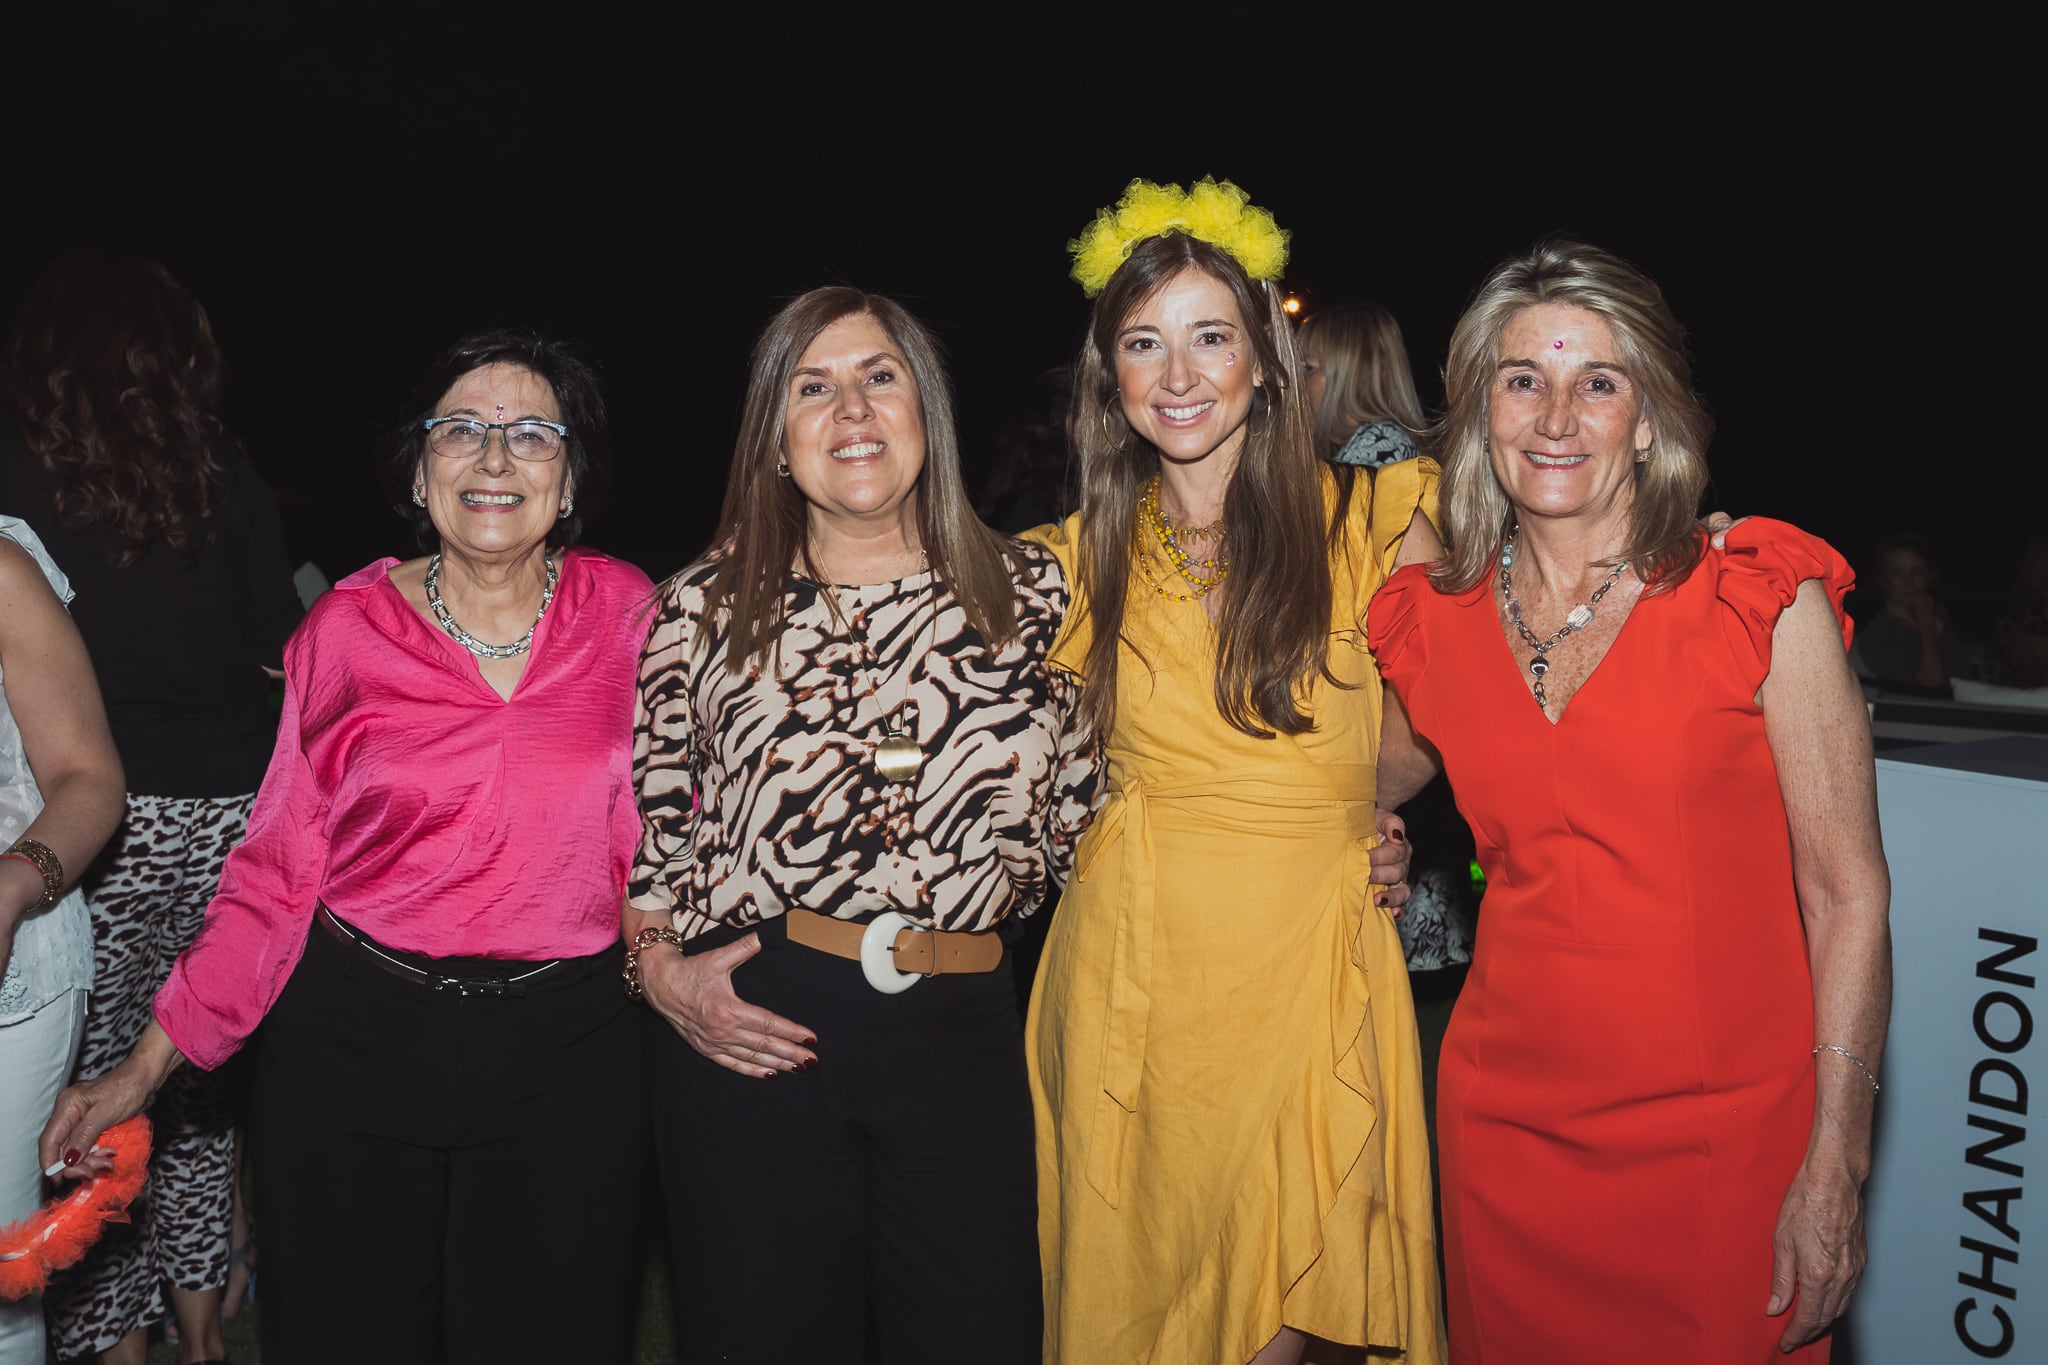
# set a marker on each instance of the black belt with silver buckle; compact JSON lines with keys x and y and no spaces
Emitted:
{"x":377,"y":955}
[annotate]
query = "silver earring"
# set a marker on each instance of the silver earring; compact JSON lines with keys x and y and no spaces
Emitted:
{"x":568,"y":506}
{"x":1643,"y":455}
{"x":419,"y":496}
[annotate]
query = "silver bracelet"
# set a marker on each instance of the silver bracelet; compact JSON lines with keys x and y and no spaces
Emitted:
{"x":1830,"y":1047}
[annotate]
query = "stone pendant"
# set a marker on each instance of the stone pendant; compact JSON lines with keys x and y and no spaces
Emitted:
{"x":1580,"y":618}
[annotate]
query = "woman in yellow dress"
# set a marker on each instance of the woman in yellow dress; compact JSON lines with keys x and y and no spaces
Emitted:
{"x":1233,"y":1164}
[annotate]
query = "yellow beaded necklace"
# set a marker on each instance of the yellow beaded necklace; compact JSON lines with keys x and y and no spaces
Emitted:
{"x":1158,"y":526}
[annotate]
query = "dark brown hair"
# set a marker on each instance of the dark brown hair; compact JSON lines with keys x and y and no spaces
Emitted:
{"x":115,"y":378}
{"x":1274,"y":629}
{"x":764,"y":529}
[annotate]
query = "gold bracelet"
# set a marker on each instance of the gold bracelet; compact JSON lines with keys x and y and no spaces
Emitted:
{"x":646,"y":938}
{"x":1830,"y":1047}
{"x":40,"y":856}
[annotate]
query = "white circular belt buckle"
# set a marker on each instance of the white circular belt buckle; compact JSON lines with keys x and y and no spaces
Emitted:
{"x":877,"y":960}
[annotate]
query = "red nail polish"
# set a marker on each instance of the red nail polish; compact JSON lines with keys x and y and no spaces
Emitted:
{"x":1398,"y":836}
{"x":71,"y":1156}
{"x":1381,"y":901}
{"x":810,"y":1042}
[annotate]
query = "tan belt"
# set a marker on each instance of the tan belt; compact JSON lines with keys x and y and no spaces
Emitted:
{"x":924,"y":952}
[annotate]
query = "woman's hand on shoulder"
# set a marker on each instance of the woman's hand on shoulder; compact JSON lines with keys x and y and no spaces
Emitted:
{"x":694,"y":993}
{"x":1717,"y":525}
{"x":1817,"y":1253}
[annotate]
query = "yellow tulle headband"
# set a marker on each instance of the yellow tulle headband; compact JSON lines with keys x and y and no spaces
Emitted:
{"x":1216,"y":212}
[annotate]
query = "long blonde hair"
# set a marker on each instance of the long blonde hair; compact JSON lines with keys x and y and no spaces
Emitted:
{"x":1365,"y":372}
{"x":1273,"y":632}
{"x":764,"y":528}
{"x":1663,"y":541}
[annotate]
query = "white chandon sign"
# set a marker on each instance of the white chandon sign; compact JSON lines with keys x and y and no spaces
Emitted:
{"x":1958,"y":1248}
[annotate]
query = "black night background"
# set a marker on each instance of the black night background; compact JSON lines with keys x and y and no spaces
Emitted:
{"x":347,"y":194}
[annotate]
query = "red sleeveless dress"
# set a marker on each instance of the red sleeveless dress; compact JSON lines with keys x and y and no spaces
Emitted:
{"x":1626,"y":1088}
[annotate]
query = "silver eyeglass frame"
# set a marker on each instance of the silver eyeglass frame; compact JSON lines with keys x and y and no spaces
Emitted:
{"x":561,"y":434}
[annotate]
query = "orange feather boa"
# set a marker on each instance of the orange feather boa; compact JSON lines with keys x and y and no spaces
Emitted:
{"x":58,"y":1234}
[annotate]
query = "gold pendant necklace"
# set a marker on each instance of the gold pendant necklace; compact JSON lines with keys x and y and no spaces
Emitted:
{"x":897,"y":756}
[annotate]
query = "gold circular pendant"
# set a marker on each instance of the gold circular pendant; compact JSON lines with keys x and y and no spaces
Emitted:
{"x":898,"y":758}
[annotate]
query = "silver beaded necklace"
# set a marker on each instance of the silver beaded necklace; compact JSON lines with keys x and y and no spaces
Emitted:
{"x":1578,"y":618}
{"x":470,"y":642}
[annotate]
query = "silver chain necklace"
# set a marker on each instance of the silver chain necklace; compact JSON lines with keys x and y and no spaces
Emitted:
{"x":470,"y":642}
{"x":1578,"y":618}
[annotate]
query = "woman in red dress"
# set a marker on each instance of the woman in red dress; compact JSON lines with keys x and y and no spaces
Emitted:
{"x":1655,"y":1096}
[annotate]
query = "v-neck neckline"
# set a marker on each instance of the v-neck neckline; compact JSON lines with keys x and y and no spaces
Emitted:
{"x":1489,"y":593}
{"x":460,"y":660}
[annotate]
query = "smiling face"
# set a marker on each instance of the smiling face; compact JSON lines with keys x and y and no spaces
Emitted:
{"x":490,"y":504}
{"x":853,"y":427}
{"x":1563,"y":416}
{"x":1186,"y":370}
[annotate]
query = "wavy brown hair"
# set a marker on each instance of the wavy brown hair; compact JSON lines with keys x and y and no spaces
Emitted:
{"x":764,"y":529}
{"x":1663,"y":541}
{"x":1273,"y":632}
{"x":115,"y":379}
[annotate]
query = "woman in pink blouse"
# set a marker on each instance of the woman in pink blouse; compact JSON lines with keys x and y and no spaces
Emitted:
{"x":425,"y":912}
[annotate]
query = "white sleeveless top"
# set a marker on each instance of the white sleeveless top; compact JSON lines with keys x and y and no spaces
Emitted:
{"x":52,"y":947}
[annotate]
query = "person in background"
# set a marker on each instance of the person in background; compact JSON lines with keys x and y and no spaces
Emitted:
{"x":1225,"y":1065}
{"x":2021,"y":660}
{"x":447,"y":1116}
{"x":1655,"y":1097}
{"x":857,"y":771}
{"x":1356,"y":382}
{"x":1909,"y":641}
{"x":115,"y":452}
{"x":60,"y":797}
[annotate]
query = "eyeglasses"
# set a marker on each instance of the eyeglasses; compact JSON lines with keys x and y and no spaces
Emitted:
{"x":459,"y":437}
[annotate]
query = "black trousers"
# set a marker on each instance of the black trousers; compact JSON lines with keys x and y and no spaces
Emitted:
{"x":447,"y":1179}
{"x":897,"y":1175}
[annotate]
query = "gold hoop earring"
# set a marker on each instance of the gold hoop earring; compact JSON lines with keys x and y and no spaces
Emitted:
{"x":1108,"y":431}
{"x":782,"y":469}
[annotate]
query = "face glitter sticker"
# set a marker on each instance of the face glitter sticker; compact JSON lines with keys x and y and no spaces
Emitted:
{"x":1230,"y":359}
{"x":1557,"y":345}
{"x":501,"y":406}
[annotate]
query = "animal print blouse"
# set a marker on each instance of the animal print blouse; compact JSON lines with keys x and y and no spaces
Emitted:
{"x":759,"y":791}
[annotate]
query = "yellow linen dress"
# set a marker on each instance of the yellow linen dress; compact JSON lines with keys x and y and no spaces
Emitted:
{"x":1222,"y":1044}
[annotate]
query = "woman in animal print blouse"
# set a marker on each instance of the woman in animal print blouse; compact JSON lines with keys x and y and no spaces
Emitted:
{"x":856,"y":772}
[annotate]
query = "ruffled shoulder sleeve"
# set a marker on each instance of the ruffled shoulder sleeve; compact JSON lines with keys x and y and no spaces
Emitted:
{"x":1383,"y":505}
{"x":1399,"y":491}
{"x":1063,"y":539}
{"x":1758,"y":575}
{"x":1395,"y":627}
